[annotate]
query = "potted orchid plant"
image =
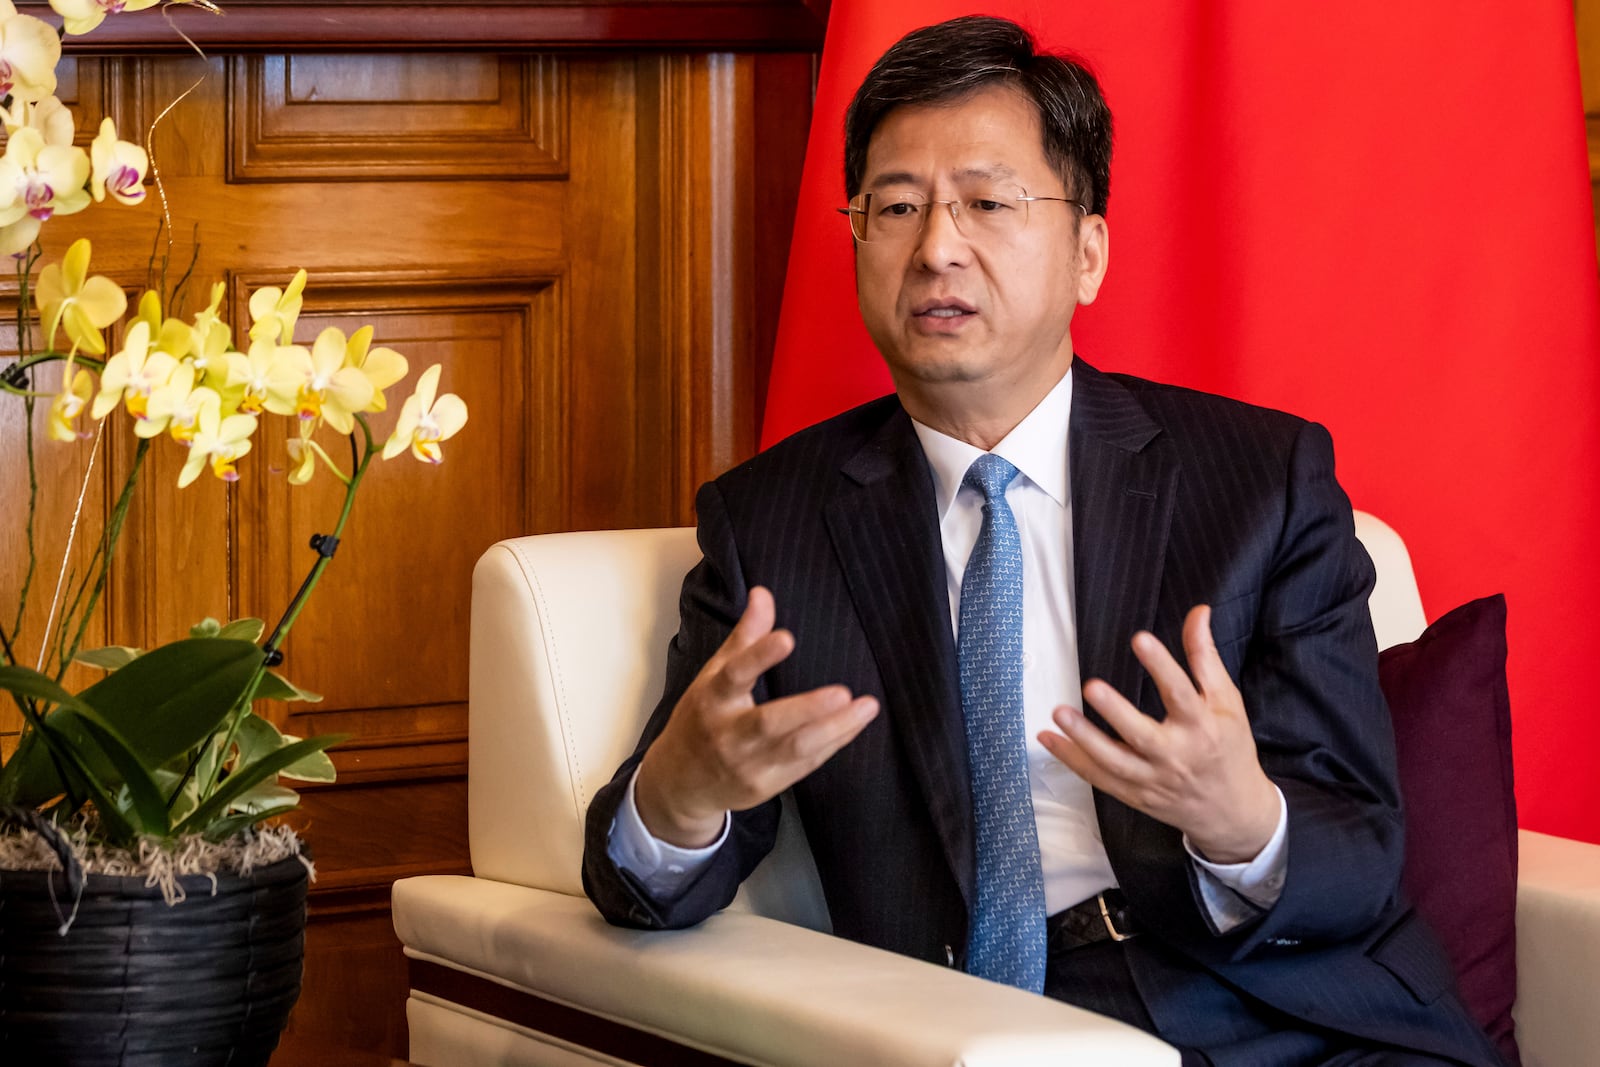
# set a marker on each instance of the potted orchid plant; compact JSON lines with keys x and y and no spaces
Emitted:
{"x":158,"y":781}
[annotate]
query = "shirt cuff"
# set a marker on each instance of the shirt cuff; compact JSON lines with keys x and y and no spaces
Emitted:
{"x":663,"y":869}
{"x":1234,"y":893}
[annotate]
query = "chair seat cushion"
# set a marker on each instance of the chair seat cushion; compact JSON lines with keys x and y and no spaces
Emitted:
{"x":1452,"y":721}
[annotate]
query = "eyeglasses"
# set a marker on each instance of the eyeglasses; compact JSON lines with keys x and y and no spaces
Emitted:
{"x":994,"y":212}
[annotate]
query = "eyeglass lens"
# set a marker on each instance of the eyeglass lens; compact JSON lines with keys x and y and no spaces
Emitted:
{"x":988,"y":212}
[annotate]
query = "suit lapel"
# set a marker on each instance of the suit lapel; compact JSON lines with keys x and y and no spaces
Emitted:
{"x":1124,"y":483}
{"x":884,"y":525}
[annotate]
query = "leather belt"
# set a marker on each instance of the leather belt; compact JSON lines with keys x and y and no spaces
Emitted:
{"x":1103,"y":917}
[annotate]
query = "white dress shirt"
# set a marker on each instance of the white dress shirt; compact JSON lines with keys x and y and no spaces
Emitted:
{"x":1071,"y":853}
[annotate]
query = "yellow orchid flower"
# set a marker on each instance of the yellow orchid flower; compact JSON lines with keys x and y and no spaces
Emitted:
{"x":150,"y":310}
{"x":173,"y":336}
{"x":29,"y":52}
{"x":81,"y":16}
{"x":328,"y":390}
{"x":210,"y":339}
{"x":49,"y":116}
{"x":189,"y":413}
{"x":177,"y":406}
{"x":209,"y":353}
{"x":76,"y":389}
{"x":274,"y":311}
{"x":16,"y":237}
{"x":117,"y":167}
{"x":222,"y":441}
{"x":426,"y":421}
{"x":133,"y":374}
{"x":382,"y":366}
{"x":41,"y":180}
{"x":211,"y":313}
{"x":303,"y":457}
{"x":68,"y":298}
{"x":268,"y":376}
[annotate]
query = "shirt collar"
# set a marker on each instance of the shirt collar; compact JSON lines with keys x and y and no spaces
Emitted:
{"x":1036,"y":446}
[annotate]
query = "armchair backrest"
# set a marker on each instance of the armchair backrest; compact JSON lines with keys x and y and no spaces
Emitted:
{"x":569,"y":639}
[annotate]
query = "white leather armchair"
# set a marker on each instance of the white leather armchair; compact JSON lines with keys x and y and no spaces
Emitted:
{"x":513,"y":965}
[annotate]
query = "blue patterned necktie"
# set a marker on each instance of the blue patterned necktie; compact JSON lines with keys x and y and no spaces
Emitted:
{"x":1008,"y":927}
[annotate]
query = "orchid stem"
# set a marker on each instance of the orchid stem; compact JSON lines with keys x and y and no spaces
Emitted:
{"x":281,"y":631}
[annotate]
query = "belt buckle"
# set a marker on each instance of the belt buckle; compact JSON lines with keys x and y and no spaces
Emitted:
{"x":1111,"y":926}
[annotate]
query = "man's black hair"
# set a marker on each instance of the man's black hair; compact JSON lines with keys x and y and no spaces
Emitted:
{"x":952,"y":60}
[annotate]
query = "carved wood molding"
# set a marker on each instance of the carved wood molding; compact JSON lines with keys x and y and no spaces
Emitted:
{"x":695,"y":287}
{"x":503,"y":337}
{"x":291,"y":123}
{"x":461,"y":25}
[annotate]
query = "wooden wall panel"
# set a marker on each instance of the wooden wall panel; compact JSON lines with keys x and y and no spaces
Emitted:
{"x":61,"y":478}
{"x":435,"y":116}
{"x":598,"y":273}
{"x":432,"y":523}
{"x":453,"y":25}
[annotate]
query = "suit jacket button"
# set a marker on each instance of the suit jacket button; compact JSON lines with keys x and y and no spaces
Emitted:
{"x":949,"y":957}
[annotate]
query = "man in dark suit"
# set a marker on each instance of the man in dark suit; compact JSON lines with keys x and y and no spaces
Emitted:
{"x":999,"y":762}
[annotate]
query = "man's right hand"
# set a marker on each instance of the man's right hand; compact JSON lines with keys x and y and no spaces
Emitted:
{"x":721,"y":751}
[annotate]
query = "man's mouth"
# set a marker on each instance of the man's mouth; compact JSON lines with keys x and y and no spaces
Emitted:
{"x":943,"y":309}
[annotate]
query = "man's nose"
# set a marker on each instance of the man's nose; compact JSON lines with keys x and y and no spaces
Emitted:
{"x":941,"y":244}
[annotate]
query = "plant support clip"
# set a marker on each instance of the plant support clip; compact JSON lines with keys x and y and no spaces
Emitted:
{"x":324,"y":544}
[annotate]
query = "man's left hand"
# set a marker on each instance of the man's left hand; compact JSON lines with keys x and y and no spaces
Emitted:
{"x":1198,"y":769}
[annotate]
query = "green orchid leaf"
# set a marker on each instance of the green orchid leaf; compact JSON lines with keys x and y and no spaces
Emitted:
{"x":171,"y":698}
{"x":206,"y":627}
{"x":225,"y":828}
{"x":243,"y":630}
{"x":244,"y":778}
{"x":164,"y":703}
{"x":148,"y":804}
{"x":113,"y":824}
{"x":30,"y":777}
{"x":188,"y":798}
{"x":275,"y":686}
{"x":316,"y":767}
{"x":110,"y":658}
{"x":27,"y":682}
{"x":10,"y":773}
{"x":264,"y":796}
{"x":255,"y":737}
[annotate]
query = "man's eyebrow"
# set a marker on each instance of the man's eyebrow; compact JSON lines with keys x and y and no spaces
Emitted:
{"x":893,"y":177}
{"x":993,"y":170}
{"x":987,"y":172}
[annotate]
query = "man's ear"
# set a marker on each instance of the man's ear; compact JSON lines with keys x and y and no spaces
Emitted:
{"x":1094,"y":252}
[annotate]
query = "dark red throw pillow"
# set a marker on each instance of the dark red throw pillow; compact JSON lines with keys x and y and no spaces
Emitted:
{"x":1452,"y":724}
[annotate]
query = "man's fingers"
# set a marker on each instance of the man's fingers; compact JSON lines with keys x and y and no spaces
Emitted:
{"x":785,"y":740}
{"x":760,"y":612}
{"x":734,"y":676}
{"x":1138,"y":730}
{"x":1172,"y":681}
{"x":1205,"y":662}
{"x":812,"y":743}
{"x":1102,"y":750}
{"x":777,"y":719}
{"x":1077,"y":760}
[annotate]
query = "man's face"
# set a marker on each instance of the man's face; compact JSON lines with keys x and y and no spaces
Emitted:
{"x":963,"y":311}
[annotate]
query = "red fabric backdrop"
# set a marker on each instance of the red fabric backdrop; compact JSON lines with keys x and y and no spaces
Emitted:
{"x":1376,"y":216}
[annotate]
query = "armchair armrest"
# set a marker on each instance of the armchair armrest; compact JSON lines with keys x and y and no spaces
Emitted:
{"x":716,"y":988}
{"x":1558,"y":950}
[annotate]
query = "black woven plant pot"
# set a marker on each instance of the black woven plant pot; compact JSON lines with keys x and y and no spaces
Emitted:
{"x":138,"y":983}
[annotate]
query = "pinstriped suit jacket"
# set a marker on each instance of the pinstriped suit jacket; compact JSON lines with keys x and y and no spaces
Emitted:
{"x":1178,"y":498}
